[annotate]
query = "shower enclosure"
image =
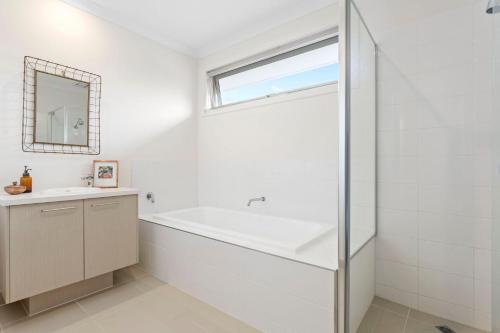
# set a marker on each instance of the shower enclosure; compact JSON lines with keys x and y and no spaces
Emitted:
{"x":419,"y":166}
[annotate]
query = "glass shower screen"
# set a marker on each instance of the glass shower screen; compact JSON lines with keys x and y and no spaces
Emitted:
{"x":357,"y":219}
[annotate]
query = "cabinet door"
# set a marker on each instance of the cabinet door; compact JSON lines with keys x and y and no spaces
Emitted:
{"x":46,"y":247}
{"x":111,"y":234}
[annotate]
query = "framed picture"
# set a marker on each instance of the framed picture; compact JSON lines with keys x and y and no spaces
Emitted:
{"x":105,"y":174}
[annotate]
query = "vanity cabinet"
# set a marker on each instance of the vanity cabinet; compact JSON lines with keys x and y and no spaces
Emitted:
{"x":46,"y":247}
{"x":111,"y":234}
{"x":51,"y":250}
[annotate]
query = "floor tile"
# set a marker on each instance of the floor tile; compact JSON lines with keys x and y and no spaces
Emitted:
{"x":390,"y":322}
{"x":147,"y":283}
{"x":191,"y":322}
{"x":140,"y":304}
{"x":414,"y":326}
{"x":370,"y":320}
{"x":131,"y":319}
{"x":56,"y":320}
{"x":391,"y":306}
{"x":434,"y":321}
{"x":109,"y":298}
{"x":83,"y":326}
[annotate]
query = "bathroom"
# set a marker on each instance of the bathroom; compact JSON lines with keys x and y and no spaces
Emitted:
{"x":294,"y":166}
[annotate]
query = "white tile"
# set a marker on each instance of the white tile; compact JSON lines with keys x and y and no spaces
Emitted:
{"x":446,"y":287}
{"x":399,"y":89}
{"x":472,"y":201}
{"x":483,"y":320}
{"x":397,"y":196}
{"x":397,"y":275}
{"x":397,"y":169}
{"x":482,"y":296}
{"x":404,"y":223}
{"x":397,"y":143}
{"x":447,"y":24}
{"x":482,"y":264}
{"x":454,"y":229}
{"x":449,"y":112}
{"x":398,"y":296}
{"x":447,"y":258}
{"x":397,"y":117}
{"x":455,"y":170}
{"x":439,"y":142}
{"x":396,"y":248}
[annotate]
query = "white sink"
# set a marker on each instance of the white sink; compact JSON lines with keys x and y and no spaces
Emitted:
{"x":71,"y":190}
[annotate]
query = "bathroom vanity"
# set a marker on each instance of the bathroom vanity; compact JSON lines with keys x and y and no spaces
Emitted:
{"x":62,"y":244}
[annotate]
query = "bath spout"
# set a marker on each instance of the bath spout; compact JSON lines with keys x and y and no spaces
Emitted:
{"x":263,"y":199}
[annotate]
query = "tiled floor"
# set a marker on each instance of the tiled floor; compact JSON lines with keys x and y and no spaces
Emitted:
{"x":387,"y":317}
{"x":139,"y":303}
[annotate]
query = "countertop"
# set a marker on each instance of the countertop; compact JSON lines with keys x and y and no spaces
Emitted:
{"x":63,"y":194}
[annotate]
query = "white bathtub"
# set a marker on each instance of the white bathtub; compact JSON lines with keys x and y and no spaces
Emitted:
{"x":258,"y":232}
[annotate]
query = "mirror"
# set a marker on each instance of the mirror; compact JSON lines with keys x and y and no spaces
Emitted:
{"x":61,"y":110}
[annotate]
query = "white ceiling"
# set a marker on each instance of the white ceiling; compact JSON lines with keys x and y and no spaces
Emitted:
{"x":199,"y":27}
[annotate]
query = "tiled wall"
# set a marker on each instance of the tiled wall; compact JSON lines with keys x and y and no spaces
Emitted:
{"x":434,"y":156}
{"x":284,"y":149}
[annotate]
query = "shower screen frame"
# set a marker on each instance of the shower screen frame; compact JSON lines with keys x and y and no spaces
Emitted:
{"x":347,"y":9}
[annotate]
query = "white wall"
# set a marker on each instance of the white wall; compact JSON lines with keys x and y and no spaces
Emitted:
{"x":286,"y":150}
{"x":148,"y":96}
{"x":434,"y":156}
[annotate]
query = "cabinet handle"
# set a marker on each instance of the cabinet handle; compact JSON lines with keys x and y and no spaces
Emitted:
{"x":105,"y":204}
{"x":56,"y":209}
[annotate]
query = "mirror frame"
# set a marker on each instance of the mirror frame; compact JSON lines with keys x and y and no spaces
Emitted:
{"x":29,"y":144}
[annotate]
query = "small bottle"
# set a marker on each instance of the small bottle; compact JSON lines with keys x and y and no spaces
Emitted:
{"x":26,"y":179}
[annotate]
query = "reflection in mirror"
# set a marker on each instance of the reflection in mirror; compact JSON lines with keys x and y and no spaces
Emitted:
{"x":61,"y":110}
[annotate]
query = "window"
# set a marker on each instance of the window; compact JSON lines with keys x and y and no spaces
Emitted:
{"x":306,"y":66}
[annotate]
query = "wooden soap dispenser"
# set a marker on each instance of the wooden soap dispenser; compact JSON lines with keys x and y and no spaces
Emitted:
{"x":26,"y":179}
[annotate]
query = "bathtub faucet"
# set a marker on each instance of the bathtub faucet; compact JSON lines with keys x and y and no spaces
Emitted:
{"x":263,"y":199}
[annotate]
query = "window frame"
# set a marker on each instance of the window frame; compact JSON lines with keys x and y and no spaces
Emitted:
{"x":313,"y":42}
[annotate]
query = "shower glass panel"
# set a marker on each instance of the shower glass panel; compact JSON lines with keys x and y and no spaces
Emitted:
{"x":357,"y":218}
{"x":362,"y":134}
{"x":496,"y":179}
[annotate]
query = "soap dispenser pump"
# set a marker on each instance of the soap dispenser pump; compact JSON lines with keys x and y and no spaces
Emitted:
{"x":26,"y":179}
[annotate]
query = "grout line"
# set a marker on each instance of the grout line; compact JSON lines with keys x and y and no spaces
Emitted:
{"x":82,"y":308}
{"x":407,"y":318}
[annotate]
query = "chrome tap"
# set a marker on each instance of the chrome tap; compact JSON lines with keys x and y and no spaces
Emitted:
{"x":263,"y":199}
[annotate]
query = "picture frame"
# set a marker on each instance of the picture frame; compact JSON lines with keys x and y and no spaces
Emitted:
{"x":106,"y":173}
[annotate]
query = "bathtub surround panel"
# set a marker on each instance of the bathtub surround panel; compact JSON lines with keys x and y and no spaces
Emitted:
{"x":434,"y":156}
{"x":141,"y":81}
{"x":270,"y":293}
{"x":267,"y":292}
{"x":283,"y":148}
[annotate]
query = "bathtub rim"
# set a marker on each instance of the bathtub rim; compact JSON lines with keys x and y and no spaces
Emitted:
{"x":265,"y":245}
